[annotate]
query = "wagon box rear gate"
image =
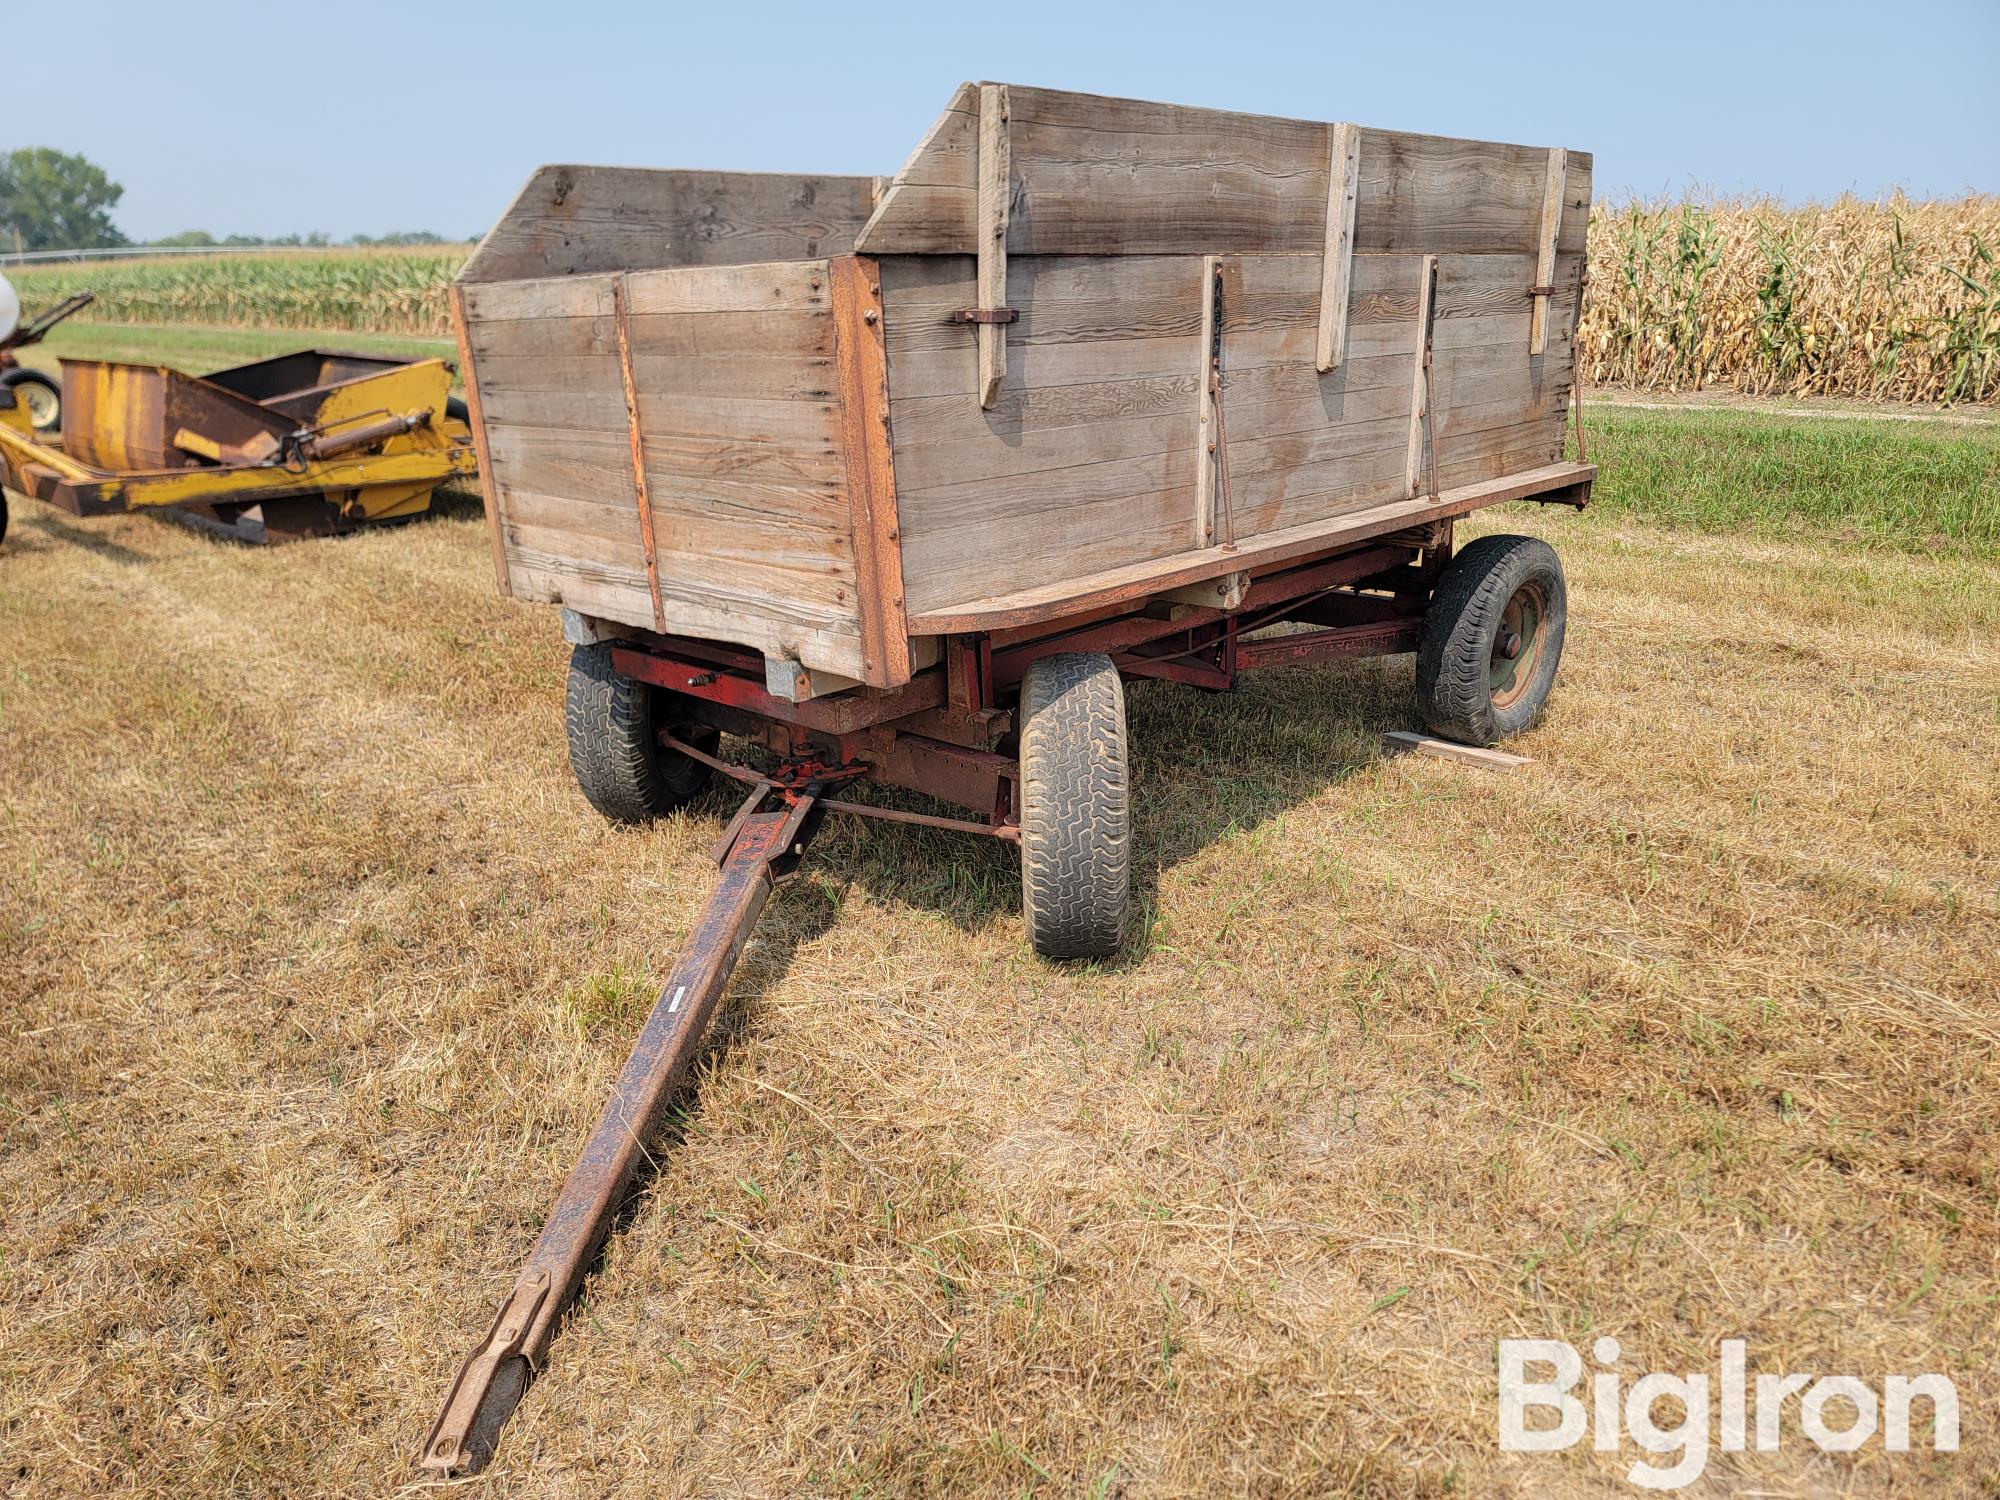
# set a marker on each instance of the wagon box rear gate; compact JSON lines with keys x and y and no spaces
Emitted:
{"x":900,"y":480}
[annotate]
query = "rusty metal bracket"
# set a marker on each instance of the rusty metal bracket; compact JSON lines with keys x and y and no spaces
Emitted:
{"x":986,"y":315}
{"x":1543,"y":291}
{"x":763,"y":850}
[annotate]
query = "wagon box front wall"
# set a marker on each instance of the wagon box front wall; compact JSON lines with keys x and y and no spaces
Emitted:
{"x":700,"y":450}
{"x":544,"y":363}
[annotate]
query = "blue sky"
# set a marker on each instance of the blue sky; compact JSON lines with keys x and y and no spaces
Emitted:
{"x":369,"y":117}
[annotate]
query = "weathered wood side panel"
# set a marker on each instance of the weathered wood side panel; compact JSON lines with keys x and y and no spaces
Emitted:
{"x":1090,"y":461}
{"x":1087,"y":459}
{"x":1100,"y":176}
{"x":740,"y":425}
{"x":574,"y":221}
{"x":733,"y":411}
{"x":563,"y":493}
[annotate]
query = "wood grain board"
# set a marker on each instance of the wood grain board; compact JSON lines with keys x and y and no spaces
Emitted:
{"x":1104,"y":176}
{"x":576,"y":221}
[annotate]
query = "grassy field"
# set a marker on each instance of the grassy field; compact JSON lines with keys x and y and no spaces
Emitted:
{"x":198,"y":349}
{"x":316,"y":968}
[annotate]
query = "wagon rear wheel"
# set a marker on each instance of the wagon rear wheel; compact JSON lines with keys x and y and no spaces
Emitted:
{"x":1492,"y":640}
{"x":614,"y":742}
{"x":1076,"y":835}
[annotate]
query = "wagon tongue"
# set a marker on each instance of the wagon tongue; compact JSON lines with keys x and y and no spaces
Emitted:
{"x":758,"y":852}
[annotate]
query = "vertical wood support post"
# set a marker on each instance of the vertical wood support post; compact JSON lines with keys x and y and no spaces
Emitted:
{"x":1420,"y":380}
{"x":995,"y":191}
{"x":489,"y":482}
{"x":1207,"y":457}
{"x":1545,"y":248}
{"x":862,"y":367}
{"x":638,"y":443}
{"x":1336,"y":277}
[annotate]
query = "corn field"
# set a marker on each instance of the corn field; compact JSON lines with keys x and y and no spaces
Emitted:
{"x":369,"y":291}
{"x":1896,"y":300}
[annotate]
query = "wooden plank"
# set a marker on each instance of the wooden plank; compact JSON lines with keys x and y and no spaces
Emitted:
{"x":1122,"y":176}
{"x":1208,"y":456}
{"x":1398,"y":741}
{"x":1343,"y":187}
{"x":577,"y":220}
{"x":871,"y":472}
{"x":591,"y":467}
{"x":1545,"y":253}
{"x":1099,"y":176}
{"x":1117,"y":585}
{"x":608,"y":592}
{"x":645,"y":508}
{"x":489,"y":486}
{"x":981,"y":537}
{"x":536,"y":298}
{"x":799,"y":284}
{"x":1420,"y":393}
{"x":995,"y":186}
{"x":934,"y":198}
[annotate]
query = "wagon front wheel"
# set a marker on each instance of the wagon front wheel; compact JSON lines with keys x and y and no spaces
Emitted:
{"x":1492,"y":639}
{"x":1076,"y":833}
{"x":614,"y":725}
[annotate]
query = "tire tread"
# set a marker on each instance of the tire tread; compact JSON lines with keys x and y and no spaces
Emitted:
{"x":1076,"y":833}
{"x":614,"y":749}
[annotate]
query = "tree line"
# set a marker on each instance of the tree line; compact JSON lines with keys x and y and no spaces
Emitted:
{"x":55,"y":200}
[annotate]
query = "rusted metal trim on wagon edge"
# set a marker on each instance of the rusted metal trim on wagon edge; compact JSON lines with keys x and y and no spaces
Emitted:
{"x":862,"y":366}
{"x":648,"y":543}
{"x":841,"y":713}
{"x":489,"y":482}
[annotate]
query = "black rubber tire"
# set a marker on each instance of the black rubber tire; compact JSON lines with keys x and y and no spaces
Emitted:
{"x":614,"y":748}
{"x":3,"y":508}
{"x":15,"y":379}
{"x":1076,"y":823}
{"x":1456,"y":661}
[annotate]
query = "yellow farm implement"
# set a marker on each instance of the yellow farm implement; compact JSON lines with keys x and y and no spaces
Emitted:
{"x":301,"y":445}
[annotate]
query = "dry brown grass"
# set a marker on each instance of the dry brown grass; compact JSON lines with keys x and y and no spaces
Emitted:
{"x":314,"y":969}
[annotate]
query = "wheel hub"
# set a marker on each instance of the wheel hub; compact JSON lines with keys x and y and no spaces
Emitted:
{"x":1517,"y":645}
{"x":42,"y":403}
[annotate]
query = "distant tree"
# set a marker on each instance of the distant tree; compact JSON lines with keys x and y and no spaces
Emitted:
{"x":401,"y":237}
{"x":50,"y":200}
{"x":188,"y":237}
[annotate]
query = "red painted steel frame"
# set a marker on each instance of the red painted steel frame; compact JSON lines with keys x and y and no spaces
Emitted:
{"x":950,"y":732}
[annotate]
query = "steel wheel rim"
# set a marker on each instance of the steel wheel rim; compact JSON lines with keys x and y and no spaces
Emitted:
{"x":1518,"y":645}
{"x":44,"y":405}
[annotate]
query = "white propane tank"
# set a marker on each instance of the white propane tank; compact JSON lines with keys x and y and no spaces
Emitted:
{"x":10,"y":308}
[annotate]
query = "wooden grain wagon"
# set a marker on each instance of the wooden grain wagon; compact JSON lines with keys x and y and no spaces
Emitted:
{"x":903,"y":478}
